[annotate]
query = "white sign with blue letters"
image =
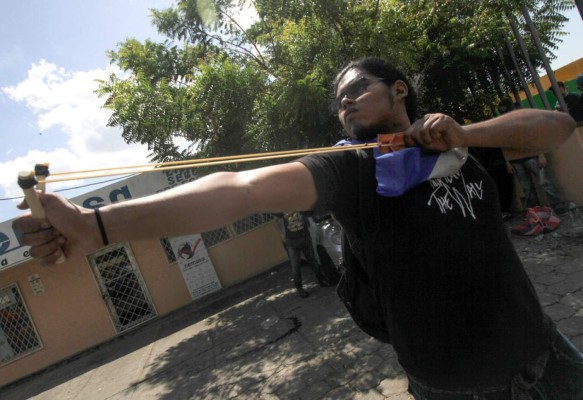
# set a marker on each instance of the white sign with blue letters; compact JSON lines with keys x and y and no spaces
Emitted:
{"x":12,"y":252}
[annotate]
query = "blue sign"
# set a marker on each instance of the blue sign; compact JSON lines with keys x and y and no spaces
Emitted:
{"x":114,"y":197}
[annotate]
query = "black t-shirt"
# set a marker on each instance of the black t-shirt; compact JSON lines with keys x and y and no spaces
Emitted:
{"x":575,"y":105}
{"x":296,"y":228}
{"x":455,"y":299}
{"x":571,"y":99}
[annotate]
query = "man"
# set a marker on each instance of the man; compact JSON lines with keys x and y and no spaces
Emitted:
{"x":576,"y":107}
{"x":528,"y":168}
{"x":433,"y":267}
{"x":525,"y":169}
{"x":298,"y":241}
{"x":570,"y":98}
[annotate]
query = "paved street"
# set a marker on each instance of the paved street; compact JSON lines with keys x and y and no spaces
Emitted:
{"x":555,"y":266}
{"x":260,"y":340}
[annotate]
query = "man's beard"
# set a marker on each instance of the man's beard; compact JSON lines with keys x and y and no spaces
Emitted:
{"x":368,"y":132}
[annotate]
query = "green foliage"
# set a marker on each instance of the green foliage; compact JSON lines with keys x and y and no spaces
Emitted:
{"x":228,"y":90}
{"x":203,"y":98}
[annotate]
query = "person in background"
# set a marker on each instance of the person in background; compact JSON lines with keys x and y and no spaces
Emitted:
{"x":576,"y":108}
{"x":570,"y":98}
{"x":533,"y":169}
{"x":298,"y":241}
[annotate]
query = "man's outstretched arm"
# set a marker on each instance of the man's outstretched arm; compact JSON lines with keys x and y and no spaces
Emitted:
{"x":208,"y":203}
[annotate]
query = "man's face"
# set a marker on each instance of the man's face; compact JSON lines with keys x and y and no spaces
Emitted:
{"x":365,"y":105}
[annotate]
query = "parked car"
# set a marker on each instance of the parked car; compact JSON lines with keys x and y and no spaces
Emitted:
{"x":327,"y":240}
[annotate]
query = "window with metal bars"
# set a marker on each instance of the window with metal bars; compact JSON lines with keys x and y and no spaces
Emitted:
{"x":18,"y":336}
{"x":216,"y":236}
{"x":251,"y":222}
{"x":170,"y":256}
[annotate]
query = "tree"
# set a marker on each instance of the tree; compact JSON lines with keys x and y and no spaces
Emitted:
{"x":191,"y":95}
{"x":226,"y":89}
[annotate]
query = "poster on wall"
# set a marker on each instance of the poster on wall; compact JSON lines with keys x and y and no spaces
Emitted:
{"x":196,"y":266}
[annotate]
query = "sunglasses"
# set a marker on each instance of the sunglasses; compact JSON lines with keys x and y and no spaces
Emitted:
{"x":354,"y":90}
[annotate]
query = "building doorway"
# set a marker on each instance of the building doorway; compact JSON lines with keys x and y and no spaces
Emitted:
{"x":122,"y":287}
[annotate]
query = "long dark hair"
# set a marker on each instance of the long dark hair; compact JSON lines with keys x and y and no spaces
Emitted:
{"x":388,"y":73}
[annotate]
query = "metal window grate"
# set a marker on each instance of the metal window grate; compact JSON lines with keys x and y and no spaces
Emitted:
{"x":170,"y":256}
{"x":216,"y":236}
{"x":17,"y":334}
{"x":251,"y":222}
{"x":124,"y":291}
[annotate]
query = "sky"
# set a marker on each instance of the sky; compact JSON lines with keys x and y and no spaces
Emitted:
{"x":51,"y":54}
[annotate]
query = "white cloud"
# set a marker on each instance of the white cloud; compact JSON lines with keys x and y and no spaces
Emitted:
{"x":65,"y":100}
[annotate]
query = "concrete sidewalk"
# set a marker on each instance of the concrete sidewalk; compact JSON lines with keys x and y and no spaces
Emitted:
{"x":260,"y":340}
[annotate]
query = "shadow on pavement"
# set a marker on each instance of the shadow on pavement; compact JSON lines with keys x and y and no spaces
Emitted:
{"x":259,"y":339}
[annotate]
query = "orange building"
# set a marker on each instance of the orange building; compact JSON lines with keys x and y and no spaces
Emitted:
{"x":50,"y":314}
{"x":566,"y":74}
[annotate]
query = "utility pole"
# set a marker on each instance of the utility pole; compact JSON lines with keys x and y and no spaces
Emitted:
{"x":541,"y":50}
{"x":531,"y":68}
{"x":507,"y":75}
{"x":520,"y":75}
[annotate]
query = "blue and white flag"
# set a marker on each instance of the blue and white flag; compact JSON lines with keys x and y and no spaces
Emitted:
{"x":399,"y":171}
